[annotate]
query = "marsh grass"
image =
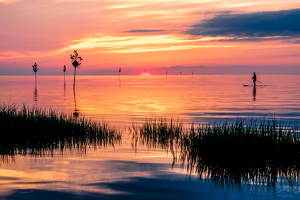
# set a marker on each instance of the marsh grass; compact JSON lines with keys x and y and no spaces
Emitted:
{"x":239,"y":152}
{"x":39,"y":131}
{"x":157,"y":133}
{"x":230,"y":154}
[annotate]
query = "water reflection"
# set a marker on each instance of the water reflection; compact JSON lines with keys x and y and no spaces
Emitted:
{"x":64,"y":82}
{"x":65,"y":91}
{"x":233,"y":176}
{"x":35,"y":93}
{"x":76,"y":111}
{"x":254,"y":93}
{"x":6,"y":159}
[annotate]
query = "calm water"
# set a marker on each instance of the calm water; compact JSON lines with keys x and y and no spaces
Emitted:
{"x":122,"y":100}
{"x":121,"y":171}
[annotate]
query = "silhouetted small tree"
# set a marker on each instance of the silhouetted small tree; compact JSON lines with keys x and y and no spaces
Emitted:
{"x":35,"y":69}
{"x":76,"y":61}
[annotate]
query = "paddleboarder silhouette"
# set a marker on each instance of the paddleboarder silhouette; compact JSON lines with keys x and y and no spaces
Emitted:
{"x":254,"y":78}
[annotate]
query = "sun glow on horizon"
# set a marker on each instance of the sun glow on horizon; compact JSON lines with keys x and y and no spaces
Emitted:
{"x":145,"y":74}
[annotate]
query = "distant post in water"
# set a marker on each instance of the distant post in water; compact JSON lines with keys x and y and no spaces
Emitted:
{"x":76,"y":61}
{"x":35,"y":69}
{"x":119,"y":71}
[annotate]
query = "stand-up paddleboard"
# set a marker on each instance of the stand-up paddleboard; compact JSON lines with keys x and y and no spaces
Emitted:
{"x":253,"y":85}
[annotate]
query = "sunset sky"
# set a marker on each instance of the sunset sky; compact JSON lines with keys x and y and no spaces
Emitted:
{"x":203,"y":36}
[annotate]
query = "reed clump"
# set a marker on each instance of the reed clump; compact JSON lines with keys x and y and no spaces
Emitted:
{"x":230,"y":153}
{"x":157,"y":133}
{"x":242,"y":145}
{"x":239,"y":152}
{"x":39,"y":130}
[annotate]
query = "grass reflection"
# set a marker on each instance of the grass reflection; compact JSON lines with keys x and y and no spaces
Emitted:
{"x":38,"y":131}
{"x":229,"y":154}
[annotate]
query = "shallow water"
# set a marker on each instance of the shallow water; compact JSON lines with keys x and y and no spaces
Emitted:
{"x":127,"y":173}
{"x":124,"y":99}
